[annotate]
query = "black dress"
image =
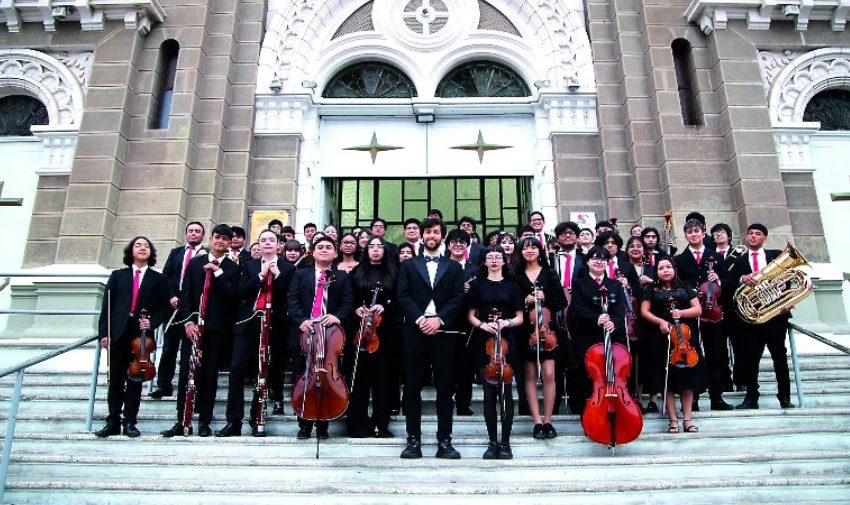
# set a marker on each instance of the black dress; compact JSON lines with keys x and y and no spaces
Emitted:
{"x":553,"y":299}
{"x":484,"y":296}
{"x":680,"y":378}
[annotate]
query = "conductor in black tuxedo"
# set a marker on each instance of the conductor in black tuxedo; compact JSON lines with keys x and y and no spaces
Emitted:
{"x":218,"y":325}
{"x":335,"y":306}
{"x":174,"y":272}
{"x":129,"y":291}
{"x":430,"y":295}
{"x":246,"y":338}
{"x":754,"y":337}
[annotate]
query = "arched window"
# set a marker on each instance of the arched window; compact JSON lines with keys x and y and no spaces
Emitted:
{"x":370,"y":80}
{"x":831,"y":108}
{"x":18,"y":113}
{"x":163,"y":91}
{"x":683,"y":61}
{"x":482,"y":79}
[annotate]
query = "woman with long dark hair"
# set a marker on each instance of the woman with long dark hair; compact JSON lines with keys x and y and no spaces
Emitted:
{"x":349,"y":253}
{"x":372,"y":375}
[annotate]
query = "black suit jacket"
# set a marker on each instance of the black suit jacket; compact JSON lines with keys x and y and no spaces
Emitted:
{"x":302,"y":291}
{"x":222,"y":304}
{"x":693,"y":275}
{"x":586,"y":309}
{"x":249,"y":287}
{"x":173,"y":268}
{"x":415,"y":291}
{"x":153,"y":296}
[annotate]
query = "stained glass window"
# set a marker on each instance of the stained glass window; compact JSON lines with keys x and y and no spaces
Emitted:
{"x":482,"y":79}
{"x":370,"y":80}
{"x":831,"y":108}
{"x":18,"y":113}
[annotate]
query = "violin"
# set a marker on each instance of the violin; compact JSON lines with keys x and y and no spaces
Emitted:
{"x":611,"y":416}
{"x":497,"y":371}
{"x":142,"y":368}
{"x":709,"y":297}
{"x":321,"y":393}
{"x":668,"y":231}
{"x":543,"y":337}
{"x":633,"y":332}
{"x":683,"y":354}
{"x":367,"y":336}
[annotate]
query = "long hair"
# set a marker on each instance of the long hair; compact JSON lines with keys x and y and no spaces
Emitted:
{"x":387,"y":267}
{"x":676,"y":283}
{"x":483,"y":270}
{"x":128,"y":251}
{"x":356,"y":254}
{"x":542,"y":258}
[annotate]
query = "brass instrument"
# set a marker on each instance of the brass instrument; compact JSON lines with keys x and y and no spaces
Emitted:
{"x":781,"y":284}
{"x":735,"y":253}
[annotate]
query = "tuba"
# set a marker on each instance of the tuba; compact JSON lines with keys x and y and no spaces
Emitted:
{"x":782,"y":283}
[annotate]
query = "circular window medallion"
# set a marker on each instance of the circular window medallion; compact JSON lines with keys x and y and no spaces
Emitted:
{"x":425,"y":24}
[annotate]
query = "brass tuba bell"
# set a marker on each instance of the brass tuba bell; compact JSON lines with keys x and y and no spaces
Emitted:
{"x":782,"y":283}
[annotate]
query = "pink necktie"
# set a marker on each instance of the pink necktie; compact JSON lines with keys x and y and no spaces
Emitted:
{"x":598,"y":281}
{"x":698,"y":257}
{"x":651,"y":260}
{"x":190,"y":251}
{"x":466,"y":254}
{"x":542,"y":239}
{"x":319,"y":298}
{"x":756,"y":262}
{"x":611,"y":274}
{"x":136,"y":283}
{"x":722,"y":253}
{"x":568,"y":261}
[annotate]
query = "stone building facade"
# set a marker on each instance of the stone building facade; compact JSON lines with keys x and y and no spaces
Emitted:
{"x":630,"y":108}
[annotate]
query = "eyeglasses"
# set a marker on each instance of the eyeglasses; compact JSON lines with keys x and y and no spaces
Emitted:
{"x":493,"y":258}
{"x":378,"y":226}
{"x":457,"y":242}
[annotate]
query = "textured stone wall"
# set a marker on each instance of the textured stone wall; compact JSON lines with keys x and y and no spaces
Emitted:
{"x":578,"y":171}
{"x":274,"y":172}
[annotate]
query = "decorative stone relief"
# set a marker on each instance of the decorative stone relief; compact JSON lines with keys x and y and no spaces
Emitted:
{"x":136,"y":14}
{"x":804,"y":77}
{"x":46,"y":78}
{"x":570,"y":113}
{"x":713,"y":15}
{"x":772,"y":62}
{"x":78,"y":62}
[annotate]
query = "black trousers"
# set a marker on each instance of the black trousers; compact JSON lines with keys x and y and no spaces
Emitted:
{"x":753,"y":339}
{"x":206,"y":378}
{"x":167,"y":362}
{"x":464,"y":372}
{"x":492,"y":398}
{"x":244,"y":364}
{"x":372,"y":379}
{"x":716,"y":358}
{"x":123,"y":394}
{"x":439,"y":350}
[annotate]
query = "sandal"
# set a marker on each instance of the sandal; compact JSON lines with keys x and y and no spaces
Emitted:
{"x":688,"y":427}
{"x":673,"y":427}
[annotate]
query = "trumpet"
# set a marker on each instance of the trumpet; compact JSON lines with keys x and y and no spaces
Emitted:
{"x":781,"y":284}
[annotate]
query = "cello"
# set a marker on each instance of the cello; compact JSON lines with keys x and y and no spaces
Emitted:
{"x":142,"y":368}
{"x":611,"y":416}
{"x":709,"y":297}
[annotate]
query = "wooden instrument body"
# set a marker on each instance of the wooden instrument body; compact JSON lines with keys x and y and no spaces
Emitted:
{"x":709,"y":298}
{"x":321,"y":393}
{"x":611,"y":416}
{"x":682,"y":354}
{"x":543,"y":332}
{"x":497,"y":370}
{"x":142,"y":369}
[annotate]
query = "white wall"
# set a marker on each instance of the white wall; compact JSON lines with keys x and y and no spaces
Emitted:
{"x":20,"y":157}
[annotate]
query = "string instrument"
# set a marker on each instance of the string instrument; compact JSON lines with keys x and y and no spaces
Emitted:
{"x":542,"y":337}
{"x":261,"y":392}
{"x":497,"y":371}
{"x":611,"y":416}
{"x":668,"y":231}
{"x":709,"y":297}
{"x":196,"y":353}
{"x":633,"y":332}
{"x":142,"y":369}
{"x":562,"y":317}
{"x":366,"y":339}
{"x":683,"y":354}
{"x":321,"y":393}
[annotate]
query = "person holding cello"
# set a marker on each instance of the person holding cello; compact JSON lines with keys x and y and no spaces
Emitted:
{"x":544,"y":297}
{"x":495,"y":308}
{"x":130,"y":291}
{"x":322,"y":296}
{"x":671,"y":308}
{"x":373,"y":282}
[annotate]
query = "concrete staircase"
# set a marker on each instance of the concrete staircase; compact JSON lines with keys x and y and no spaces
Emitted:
{"x":770,"y":455}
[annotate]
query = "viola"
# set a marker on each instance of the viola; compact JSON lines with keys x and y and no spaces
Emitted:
{"x":611,"y":416}
{"x":497,"y":371}
{"x":321,"y":393}
{"x":709,"y":298}
{"x":683,"y":353}
{"x":142,"y":368}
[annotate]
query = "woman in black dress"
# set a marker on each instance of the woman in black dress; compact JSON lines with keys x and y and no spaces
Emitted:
{"x":656,"y":311}
{"x":635,"y":252}
{"x":534,"y":272}
{"x":373,"y":373}
{"x":493,"y":292}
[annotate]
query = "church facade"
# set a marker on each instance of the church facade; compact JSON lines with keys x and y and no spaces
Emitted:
{"x":145,"y":115}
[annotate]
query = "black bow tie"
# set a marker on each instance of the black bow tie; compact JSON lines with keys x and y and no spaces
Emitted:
{"x":432,"y":258}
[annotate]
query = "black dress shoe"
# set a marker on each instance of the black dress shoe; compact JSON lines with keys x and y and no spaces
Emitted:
{"x":537,"y":432}
{"x":277,"y":410}
{"x":322,"y":432}
{"x":652,"y":407}
{"x":230,"y":430}
{"x":785,"y":403}
{"x":304,"y":433}
{"x":446,"y":451}
{"x":174,"y":431}
{"x":748,"y":403}
{"x":505,"y":451}
{"x":131,"y":431}
{"x":549,"y":431}
{"x":158,"y":393}
{"x":204,"y":430}
{"x":413,"y":449}
{"x":465,"y":411}
{"x":109,"y":429}
{"x":492,"y":451}
{"x":720,"y":404}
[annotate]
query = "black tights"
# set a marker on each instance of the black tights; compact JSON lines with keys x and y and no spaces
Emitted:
{"x":491,"y":409}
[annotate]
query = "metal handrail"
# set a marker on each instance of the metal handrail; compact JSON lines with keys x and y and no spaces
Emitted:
{"x":798,"y":380}
{"x":820,"y":338}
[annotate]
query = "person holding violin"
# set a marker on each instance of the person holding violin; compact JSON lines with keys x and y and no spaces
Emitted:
{"x":373,"y":282}
{"x":701,"y":268}
{"x":636,"y":253}
{"x":129,"y":291}
{"x":495,"y":308}
{"x":543,"y":297}
{"x":671,"y":308}
{"x":589,"y":321}
{"x":253,"y":289}
{"x":318,"y":294}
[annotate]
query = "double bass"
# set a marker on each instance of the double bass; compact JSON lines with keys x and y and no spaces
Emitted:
{"x":142,"y":369}
{"x":611,"y":416}
{"x":709,"y":297}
